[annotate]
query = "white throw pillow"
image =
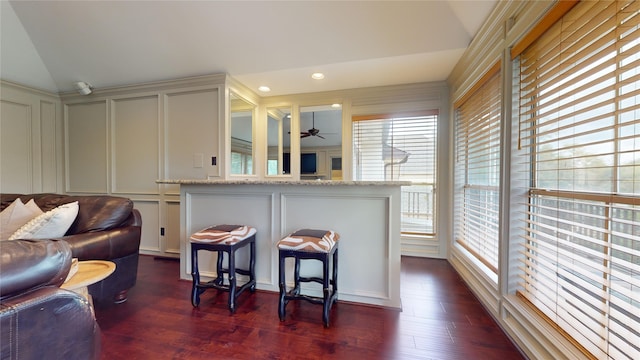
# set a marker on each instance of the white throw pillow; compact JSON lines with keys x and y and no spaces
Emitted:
{"x":52,"y":224}
{"x":14,"y":216}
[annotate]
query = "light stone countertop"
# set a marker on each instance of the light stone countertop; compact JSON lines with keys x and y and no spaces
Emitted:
{"x":283,"y":182}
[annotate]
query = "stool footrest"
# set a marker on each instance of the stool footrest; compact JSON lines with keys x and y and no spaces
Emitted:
{"x":316,"y":279}
{"x":217,"y":284}
{"x":239,"y":271}
{"x":292,"y":295}
{"x":213,"y":284}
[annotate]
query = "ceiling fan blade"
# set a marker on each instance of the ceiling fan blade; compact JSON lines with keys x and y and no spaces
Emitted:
{"x":320,"y":136}
{"x":304,"y":134}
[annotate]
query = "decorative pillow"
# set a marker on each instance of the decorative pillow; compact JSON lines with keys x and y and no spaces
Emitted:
{"x":52,"y":224}
{"x":14,"y":216}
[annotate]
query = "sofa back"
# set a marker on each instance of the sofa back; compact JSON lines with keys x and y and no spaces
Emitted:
{"x":95,"y":213}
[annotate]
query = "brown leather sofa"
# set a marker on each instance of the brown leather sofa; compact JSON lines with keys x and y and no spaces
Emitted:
{"x":38,"y":320}
{"x":106,"y":228}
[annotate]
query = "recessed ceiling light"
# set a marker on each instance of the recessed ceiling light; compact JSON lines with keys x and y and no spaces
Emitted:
{"x":317,"y":76}
{"x":264,"y":88}
{"x":336,"y":106}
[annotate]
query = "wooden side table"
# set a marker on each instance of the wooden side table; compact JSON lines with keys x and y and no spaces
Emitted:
{"x":89,"y":272}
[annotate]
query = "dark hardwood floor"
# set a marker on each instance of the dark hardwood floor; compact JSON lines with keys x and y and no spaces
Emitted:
{"x":441,"y":319}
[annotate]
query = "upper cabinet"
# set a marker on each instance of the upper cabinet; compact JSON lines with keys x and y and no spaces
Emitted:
{"x":242,"y":114}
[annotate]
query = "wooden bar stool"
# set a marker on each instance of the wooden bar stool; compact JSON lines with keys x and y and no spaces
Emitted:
{"x":223,"y":239}
{"x":310,"y":244}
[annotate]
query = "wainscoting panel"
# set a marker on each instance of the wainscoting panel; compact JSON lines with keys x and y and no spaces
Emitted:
{"x":150,"y":242}
{"x":50,"y":150}
{"x":192,"y":133}
{"x":233,"y":208}
{"x":15,"y":152}
{"x":86,"y":147}
{"x":135,"y":140}
{"x":172,"y":228}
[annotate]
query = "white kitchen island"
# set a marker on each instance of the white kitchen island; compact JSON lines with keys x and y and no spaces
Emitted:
{"x":365,"y":214}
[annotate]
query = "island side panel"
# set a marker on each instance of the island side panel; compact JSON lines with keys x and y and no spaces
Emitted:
{"x":365,"y":267}
{"x":367,"y":218}
{"x":207,"y":206}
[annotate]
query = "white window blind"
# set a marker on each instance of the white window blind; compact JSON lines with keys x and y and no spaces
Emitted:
{"x":579,"y":112}
{"x":477,"y":169}
{"x":400,"y":147}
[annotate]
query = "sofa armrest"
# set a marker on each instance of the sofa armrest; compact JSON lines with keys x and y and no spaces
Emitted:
{"x":48,"y":323}
{"x":135,"y":219}
{"x":106,"y":244}
{"x":32,"y":264}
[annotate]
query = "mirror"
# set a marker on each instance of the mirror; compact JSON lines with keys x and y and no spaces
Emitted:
{"x":241,"y":123}
{"x":278,"y":140}
{"x":321,"y":142}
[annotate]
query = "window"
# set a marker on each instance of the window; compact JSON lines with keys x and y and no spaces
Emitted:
{"x":477,"y":169}
{"x":579,"y":127}
{"x":272,"y":167}
{"x":241,"y":158}
{"x":400,"y":147}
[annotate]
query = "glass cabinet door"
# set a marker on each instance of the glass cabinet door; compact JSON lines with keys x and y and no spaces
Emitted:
{"x":242,"y":114}
{"x":278,"y":141}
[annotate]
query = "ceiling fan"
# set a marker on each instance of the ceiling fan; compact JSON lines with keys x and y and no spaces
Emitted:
{"x":313,"y":131}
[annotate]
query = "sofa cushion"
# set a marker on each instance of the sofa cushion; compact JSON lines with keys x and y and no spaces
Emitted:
{"x":16,"y":215}
{"x":310,"y":240}
{"x":54,"y":223}
{"x":223,"y":234}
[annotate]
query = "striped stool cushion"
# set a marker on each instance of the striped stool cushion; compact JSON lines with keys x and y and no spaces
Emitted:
{"x":310,"y":240}
{"x":223,"y":234}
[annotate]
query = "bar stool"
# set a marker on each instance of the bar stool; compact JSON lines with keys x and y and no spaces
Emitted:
{"x":310,"y":244}
{"x":223,"y":238}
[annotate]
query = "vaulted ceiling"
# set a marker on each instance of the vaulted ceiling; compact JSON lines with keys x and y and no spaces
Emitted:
{"x":53,"y":44}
